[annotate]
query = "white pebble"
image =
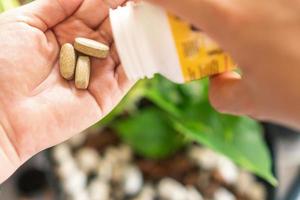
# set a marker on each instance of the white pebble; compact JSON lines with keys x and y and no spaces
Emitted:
{"x":133,"y":180}
{"x":193,"y":194}
{"x":118,"y":172}
{"x":125,"y":153}
{"x":244,"y":182}
{"x":170,"y":189}
{"x":67,"y":169}
{"x":228,"y":170}
{"x":87,"y":159}
{"x":205,"y":158}
{"x":111,"y":166}
{"x":77,"y":140}
{"x":75,"y":183}
{"x":61,"y":153}
{"x":223,"y":194}
{"x":111,"y":155}
{"x":105,"y":170}
{"x":79,"y":195}
{"x":257,"y":192}
{"x":99,"y":190}
{"x":147,"y":193}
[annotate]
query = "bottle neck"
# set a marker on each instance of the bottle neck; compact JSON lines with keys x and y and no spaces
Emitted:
{"x":131,"y":42}
{"x":144,"y":41}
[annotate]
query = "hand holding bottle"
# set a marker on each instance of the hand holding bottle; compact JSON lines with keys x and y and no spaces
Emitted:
{"x":263,"y":37}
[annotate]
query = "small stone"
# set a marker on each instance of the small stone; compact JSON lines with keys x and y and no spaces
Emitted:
{"x":257,"y":192}
{"x":118,"y":172}
{"x":170,"y":189}
{"x":227,"y":170}
{"x":111,"y":155}
{"x":74,"y":183}
{"x":79,"y":195}
{"x":193,"y":194}
{"x":125,"y":153}
{"x":105,"y":170}
{"x":99,"y":190}
{"x":66,"y":169}
{"x":87,"y":159}
{"x":244,"y":182}
{"x":77,"y":140}
{"x":61,"y":153}
{"x":223,"y":194}
{"x":205,"y":158}
{"x":133,"y":180}
{"x":147,"y":193}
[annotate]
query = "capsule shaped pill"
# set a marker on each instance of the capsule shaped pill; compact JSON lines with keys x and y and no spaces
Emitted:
{"x":67,"y":61}
{"x":91,"y":47}
{"x":83,"y":71}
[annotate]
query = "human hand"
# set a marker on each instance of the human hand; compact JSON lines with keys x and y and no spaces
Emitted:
{"x":263,"y":37}
{"x":38,"y":108}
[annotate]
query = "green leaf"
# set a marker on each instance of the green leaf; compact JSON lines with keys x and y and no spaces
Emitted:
{"x":150,"y":133}
{"x":238,"y":138}
{"x":245,"y":145}
{"x":8,"y":4}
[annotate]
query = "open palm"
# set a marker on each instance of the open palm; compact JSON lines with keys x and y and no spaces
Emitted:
{"x":38,"y":108}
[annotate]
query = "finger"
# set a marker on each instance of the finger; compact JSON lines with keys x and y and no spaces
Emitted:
{"x":102,"y":34}
{"x":103,"y":85}
{"x":105,"y":31}
{"x":123,"y":81}
{"x":209,"y":15}
{"x":44,"y":14}
{"x":103,"y":71}
{"x":229,"y":95}
{"x":93,"y":12}
{"x":99,"y":29}
{"x":107,"y":76}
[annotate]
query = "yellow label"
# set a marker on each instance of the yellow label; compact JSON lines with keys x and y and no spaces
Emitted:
{"x":199,"y":56}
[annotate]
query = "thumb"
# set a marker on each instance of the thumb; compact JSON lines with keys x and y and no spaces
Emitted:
{"x":229,"y":95}
{"x":44,"y":14}
{"x":208,"y":15}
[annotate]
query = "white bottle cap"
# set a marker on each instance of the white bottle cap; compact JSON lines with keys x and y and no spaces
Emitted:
{"x":145,"y":42}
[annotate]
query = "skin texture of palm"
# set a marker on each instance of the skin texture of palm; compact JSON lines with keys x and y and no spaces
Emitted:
{"x":38,"y":108}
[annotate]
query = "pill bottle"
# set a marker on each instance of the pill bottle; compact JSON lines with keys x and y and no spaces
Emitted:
{"x":150,"y":41}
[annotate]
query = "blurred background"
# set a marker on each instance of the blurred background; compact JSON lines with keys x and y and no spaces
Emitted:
{"x":164,"y":141}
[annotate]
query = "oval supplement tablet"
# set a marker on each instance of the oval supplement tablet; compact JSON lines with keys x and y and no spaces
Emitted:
{"x":67,"y":61}
{"x":91,"y":47}
{"x":83,"y":71}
